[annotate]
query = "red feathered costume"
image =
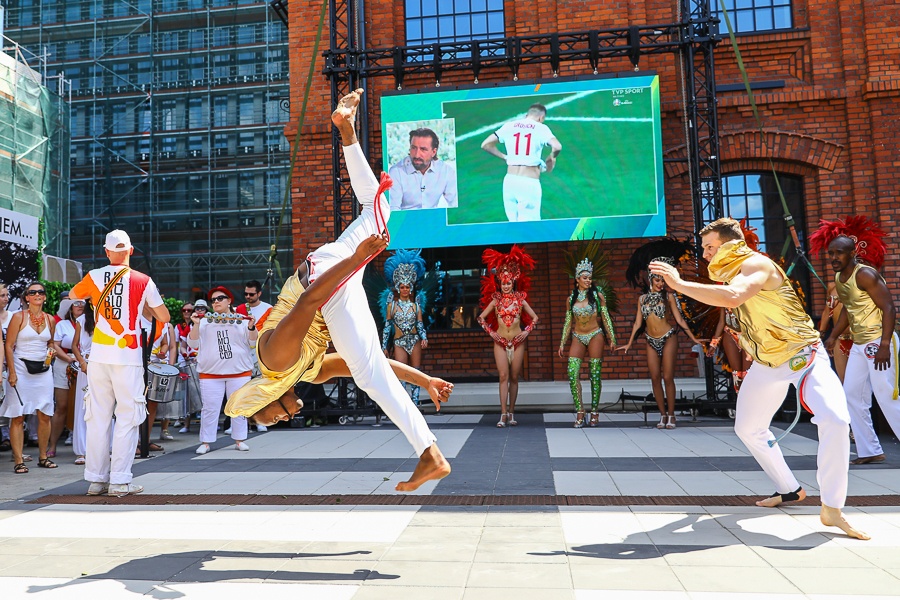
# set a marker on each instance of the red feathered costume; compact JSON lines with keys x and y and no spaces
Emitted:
{"x":515,"y":267}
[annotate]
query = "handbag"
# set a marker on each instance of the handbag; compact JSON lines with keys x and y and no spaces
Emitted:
{"x":35,"y":367}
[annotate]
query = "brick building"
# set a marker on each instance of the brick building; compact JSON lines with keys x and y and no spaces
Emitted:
{"x":826,"y":77}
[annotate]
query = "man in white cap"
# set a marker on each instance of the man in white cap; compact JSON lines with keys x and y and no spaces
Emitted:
{"x":116,"y":372}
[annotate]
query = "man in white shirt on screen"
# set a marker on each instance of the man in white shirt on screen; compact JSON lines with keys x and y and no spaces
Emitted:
{"x":421,"y":179}
{"x":524,"y":140}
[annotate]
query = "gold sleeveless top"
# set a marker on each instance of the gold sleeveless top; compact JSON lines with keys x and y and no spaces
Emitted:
{"x":264,"y":390}
{"x":774,"y":324}
{"x":864,"y":315}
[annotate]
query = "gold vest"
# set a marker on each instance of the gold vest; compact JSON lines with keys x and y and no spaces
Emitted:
{"x":864,"y":315}
{"x":774,"y":324}
{"x":260,"y":392}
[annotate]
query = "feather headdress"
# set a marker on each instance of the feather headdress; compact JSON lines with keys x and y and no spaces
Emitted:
{"x":865,"y":233}
{"x":668,"y":249}
{"x":589,"y":257}
{"x":404,"y":267}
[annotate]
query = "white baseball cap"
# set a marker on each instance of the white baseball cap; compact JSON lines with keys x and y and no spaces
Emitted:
{"x":117,"y":241}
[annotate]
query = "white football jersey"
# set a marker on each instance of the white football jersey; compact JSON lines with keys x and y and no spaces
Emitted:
{"x":524,"y":140}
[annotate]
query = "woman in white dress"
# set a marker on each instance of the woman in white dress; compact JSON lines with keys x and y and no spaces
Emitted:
{"x":84,"y":333}
{"x":29,"y":385}
{"x":63,"y":342}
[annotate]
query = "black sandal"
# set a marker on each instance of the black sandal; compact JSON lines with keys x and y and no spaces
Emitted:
{"x":46,"y":463}
{"x":20,"y":469}
{"x":789,"y":497}
{"x":5,"y":445}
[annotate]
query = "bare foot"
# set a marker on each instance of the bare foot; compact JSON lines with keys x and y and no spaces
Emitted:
{"x":777,"y":499}
{"x":832,"y":517}
{"x":432,"y":465}
{"x":344,"y":116}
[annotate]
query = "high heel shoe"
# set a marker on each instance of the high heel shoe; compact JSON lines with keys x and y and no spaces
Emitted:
{"x":662,"y":422}
{"x":511,"y":420}
{"x":579,"y":420}
{"x":595,"y":419}
{"x":671,"y":423}
{"x":502,"y":422}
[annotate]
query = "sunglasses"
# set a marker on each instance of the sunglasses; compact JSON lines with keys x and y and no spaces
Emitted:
{"x":36,"y":293}
{"x":220,"y":298}
{"x":78,"y":303}
{"x":187,"y":310}
{"x":251,"y":293}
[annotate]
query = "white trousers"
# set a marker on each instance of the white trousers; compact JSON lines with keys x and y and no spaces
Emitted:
{"x":522,"y":198}
{"x":79,"y":432}
{"x":119,"y":390}
{"x":761,"y":395}
{"x":349,"y":319}
{"x":213,"y":392}
{"x":860,"y":381}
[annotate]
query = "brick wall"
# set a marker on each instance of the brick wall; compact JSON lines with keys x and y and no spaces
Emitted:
{"x":834,"y":123}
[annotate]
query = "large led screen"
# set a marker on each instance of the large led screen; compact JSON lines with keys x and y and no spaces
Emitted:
{"x":475,"y":166}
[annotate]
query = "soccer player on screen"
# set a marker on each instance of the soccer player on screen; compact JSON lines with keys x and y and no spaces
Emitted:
{"x":524,"y":140}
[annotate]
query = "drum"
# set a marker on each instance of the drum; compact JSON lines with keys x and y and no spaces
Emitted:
{"x":161,"y":382}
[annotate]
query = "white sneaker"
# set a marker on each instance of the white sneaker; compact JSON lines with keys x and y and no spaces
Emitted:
{"x":202,"y":449}
{"x":261,"y":428}
{"x":164,"y":435}
{"x":184,"y":430}
{"x":68,"y":441}
{"x":124,"y":489}
{"x":98,"y":488}
{"x":241,"y":446}
{"x":228,"y":431}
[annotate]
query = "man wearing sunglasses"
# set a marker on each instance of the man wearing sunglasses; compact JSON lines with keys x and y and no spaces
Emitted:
{"x":254,"y":305}
{"x":116,"y":374}
{"x":324,"y":301}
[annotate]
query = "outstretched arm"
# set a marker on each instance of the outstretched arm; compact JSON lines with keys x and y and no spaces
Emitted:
{"x":755,"y":273}
{"x":439,"y":390}
{"x":638,"y":321}
{"x":279,"y":349}
{"x":679,"y":318}
{"x":567,"y":327}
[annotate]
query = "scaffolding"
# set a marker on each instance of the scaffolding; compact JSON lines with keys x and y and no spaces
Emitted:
{"x":34,"y":143}
{"x":178,"y":111}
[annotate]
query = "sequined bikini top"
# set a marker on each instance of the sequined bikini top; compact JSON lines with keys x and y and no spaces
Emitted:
{"x":405,"y":316}
{"x":509,"y":307}
{"x":653,"y":303}
{"x":587,"y":311}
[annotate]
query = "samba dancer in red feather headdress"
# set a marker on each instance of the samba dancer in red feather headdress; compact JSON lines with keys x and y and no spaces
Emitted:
{"x":508,"y":319}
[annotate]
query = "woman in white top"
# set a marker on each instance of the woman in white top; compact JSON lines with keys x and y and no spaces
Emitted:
{"x":224,"y":360}
{"x":28,"y":338}
{"x":63,"y":341}
{"x":84,"y":333}
{"x":5,"y":317}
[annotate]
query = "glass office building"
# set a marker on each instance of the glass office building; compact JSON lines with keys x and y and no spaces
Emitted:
{"x":177,"y":116}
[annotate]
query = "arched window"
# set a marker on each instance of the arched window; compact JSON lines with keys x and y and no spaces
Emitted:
{"x":754,"y":196}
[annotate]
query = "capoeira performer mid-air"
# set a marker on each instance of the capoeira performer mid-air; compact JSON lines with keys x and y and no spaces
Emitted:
{"x":785,"y":346}
{"x":324,"y":301}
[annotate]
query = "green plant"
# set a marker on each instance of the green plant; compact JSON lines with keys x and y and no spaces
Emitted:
{"x":173,"y":305}
{"x":54,"y":294}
